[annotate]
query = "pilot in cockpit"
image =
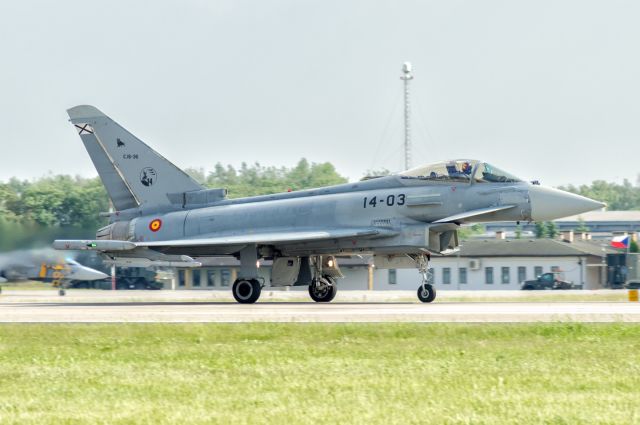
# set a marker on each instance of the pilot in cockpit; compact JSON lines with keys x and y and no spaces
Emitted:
{"x":463,"y":172}
{"x":466,"y":168}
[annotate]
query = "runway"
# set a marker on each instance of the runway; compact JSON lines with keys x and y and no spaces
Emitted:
{"x":29,"y":308}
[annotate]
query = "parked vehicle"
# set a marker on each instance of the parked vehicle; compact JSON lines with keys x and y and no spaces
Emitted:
{"x":549,"y":281}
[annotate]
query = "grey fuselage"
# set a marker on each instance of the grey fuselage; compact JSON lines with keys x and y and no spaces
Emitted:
{"x":405,"y":208}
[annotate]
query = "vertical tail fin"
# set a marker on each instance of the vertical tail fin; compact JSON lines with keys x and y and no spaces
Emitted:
{"x":133,"y":173}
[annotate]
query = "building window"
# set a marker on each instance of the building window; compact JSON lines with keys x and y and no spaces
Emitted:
{"x":522,"y":274}
{"x":225,"y":277}
{"x":431,"y":274}
{"x":180,"y":277}
{"x":488,"y":275}
{"x":537,"y":271}
{"x":462,"y":275}
{"x":446,"y":275}
{"x":506,"y":275}
{"x":196,"y":277}
{"x":393,"y":276}
{"x":211,"y":278}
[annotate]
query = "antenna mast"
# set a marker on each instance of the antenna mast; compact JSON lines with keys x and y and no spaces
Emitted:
{"x":406,"y":77}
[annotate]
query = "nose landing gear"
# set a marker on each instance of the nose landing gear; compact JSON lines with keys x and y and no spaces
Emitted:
{"x":426,"y":291}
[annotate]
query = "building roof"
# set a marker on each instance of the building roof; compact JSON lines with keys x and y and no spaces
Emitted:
{"x":601,"y":224}
{"x":532,"y":248}
{"x":607,"y":216}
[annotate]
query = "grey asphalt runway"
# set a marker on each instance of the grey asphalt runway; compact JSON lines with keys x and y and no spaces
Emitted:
{"x":165,"y":306}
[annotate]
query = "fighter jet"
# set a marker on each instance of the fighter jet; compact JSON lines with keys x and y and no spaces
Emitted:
{"x":44,"y":266}
{"x":164,"y":217}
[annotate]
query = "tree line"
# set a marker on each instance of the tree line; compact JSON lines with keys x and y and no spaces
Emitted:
{"x":59,"y":206}
{"x":619,"y":197}
{"x":256,"y":179}
{"x":35,"y":212}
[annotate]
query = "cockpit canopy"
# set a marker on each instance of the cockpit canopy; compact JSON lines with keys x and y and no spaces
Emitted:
{"x":461,"y":170}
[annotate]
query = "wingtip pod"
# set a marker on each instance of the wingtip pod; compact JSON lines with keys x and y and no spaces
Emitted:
{"x":82,"y":112}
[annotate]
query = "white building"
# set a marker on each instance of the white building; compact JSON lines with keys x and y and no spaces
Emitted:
{"x":480,"y":265}
{"x":505,"y":264}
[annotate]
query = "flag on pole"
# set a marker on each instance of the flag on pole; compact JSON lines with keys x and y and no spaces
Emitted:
{"x":620,"y":242}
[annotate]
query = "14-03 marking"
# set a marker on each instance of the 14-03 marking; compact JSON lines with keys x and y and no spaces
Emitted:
{"x":389,"y":201}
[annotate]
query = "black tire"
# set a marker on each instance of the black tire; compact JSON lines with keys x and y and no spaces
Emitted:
{"x":246,"y":291}
{"x":426,"y":293}
{"x":323,"y":292}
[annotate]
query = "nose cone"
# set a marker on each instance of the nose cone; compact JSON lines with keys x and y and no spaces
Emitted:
{"x":550,"y":204}
{"x":85,"y":273}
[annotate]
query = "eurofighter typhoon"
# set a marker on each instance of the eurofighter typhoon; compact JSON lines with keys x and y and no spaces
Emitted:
{"x":164,"y":217}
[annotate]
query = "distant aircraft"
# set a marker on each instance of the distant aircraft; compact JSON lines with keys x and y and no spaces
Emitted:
{"x":44,"y":266}
{"x":164,"y":217}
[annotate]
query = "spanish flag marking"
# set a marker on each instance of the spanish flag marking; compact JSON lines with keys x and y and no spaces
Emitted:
{"x":155,"y":225}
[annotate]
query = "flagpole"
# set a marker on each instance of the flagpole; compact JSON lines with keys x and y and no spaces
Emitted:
{"x":626,"y":259}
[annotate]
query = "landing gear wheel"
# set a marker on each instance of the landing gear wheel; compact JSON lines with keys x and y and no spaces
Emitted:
{"x":323,"y":290}
{"x":62,"y":292}
{"x":426,"y":293}
{"x":246,"y":291}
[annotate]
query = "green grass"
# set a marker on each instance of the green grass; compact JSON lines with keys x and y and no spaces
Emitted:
{"x":320,"y":374}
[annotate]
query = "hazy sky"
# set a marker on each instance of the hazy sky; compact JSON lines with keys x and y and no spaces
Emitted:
{"x":545,"y":89}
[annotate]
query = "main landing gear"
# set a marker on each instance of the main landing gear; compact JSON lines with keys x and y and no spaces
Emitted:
{"x":247,"y":288}
{"x":323,"y":288}
{"x":426,"y":291}
{"x":319,"y":272}
{"x":246,"y":291}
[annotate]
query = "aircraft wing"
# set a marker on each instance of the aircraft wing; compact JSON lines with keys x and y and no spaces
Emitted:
{"x":274,"y":238}
{"x":270,"y":238}
{"x":473,"y":213}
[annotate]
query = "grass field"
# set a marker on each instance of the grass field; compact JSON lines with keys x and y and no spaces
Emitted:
{"x":295,"y":373}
